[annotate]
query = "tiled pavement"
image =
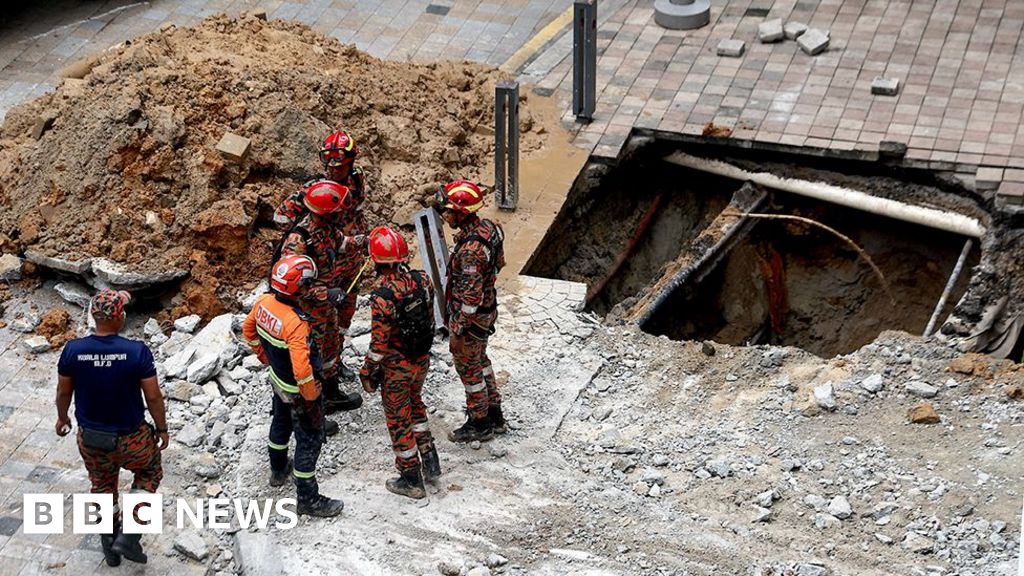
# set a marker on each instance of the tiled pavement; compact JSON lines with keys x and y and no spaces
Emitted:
{"x":960,"y":64}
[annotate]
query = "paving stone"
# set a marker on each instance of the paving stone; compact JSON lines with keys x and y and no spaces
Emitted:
{"x":770,"y":31}
{"x":234,"y":147}
{"x":1011,"y":192}
{"x":813,"y":41}
{"x":885,"y":86}
{"x":731,"y":47}
{"x":988,"y":178}
{"x":793,"y":30}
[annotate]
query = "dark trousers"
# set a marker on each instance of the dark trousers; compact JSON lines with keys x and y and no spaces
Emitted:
{"x":305,"y":420}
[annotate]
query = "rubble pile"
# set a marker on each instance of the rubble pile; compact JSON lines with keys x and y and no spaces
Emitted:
{"x":128,"y":183}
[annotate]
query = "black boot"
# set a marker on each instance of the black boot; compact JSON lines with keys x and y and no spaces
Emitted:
{"x":130,"y":546}
{"x":113,"y":558}
{"x":473,"y":429}
{"x":281,"y":477}
{"x":335,"y":400}
{"x":431,"y":465}
{"x":345,"y":373}
{"x":409,"y":483}
{"x":497,"y":419}
{"x":321,"y":506}
{"x":331,"y":428}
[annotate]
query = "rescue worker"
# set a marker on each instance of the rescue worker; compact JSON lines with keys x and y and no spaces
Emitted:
{"x":471,"y":303}
{"x":108,"y":376}
{"x":315,"y":236}
{"x":338,"y":153}
{"x":398,"y":359}
{"x":278,"y":331}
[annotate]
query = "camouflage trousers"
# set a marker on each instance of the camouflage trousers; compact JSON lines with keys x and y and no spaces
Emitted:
{"x":401,"y":395}
{"x":138,"y":452}
{"x":324,"y":330}
{"x":469,"y":354}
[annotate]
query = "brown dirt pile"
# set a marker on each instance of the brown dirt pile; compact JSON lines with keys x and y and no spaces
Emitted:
{"x":128,"y":170}
{"x":56,"y":327}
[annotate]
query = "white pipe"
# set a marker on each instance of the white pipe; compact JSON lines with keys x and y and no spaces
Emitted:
{"x":938,"y":219}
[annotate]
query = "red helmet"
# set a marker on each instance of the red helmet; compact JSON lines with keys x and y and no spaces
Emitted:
{"x":338,"y":148}
{"x":387,"y":246}
{"x":292,"y":273}
{"x":326,"y":196}
{"x":461,"y":196}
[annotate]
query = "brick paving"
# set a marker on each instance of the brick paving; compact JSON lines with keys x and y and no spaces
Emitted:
{"x":960,"y":65}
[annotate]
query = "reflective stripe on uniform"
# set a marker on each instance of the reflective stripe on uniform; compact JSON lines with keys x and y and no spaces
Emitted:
{"x":275,"y":342}
{"x":306,"y":380}
{"x":405,"y":454}
{"x":467,"y":309}
{"x":303,"y":475}
{"x":253,"y":342}
{"x":273,"y":446}
{"x":476,"y":387}
{"x":421,"y":427}
{"x":375,"y":356}
{"x":290,"y":388}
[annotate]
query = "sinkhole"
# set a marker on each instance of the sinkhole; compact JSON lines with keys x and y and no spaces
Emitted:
{"x":697,"y":256}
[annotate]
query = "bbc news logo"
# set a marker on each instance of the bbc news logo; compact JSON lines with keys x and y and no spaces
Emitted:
{"x":94,"y":513}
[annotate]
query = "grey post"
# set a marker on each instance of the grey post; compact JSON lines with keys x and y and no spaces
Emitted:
{"x":434,"y":253}
{"x":584,"y":59}
{"x":506,"y":144}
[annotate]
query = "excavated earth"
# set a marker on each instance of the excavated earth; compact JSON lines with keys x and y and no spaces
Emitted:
{"x":128,"y":171}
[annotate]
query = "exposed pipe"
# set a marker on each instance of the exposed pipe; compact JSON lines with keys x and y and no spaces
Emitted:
{"x":949,"y":286}
{"x":645,"y":223}
{"x":938,"y":219}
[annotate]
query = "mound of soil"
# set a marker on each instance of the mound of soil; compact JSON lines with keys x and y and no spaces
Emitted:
{"x":128,"y":169}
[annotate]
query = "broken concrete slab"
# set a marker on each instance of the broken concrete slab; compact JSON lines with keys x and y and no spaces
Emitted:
{"x":885,"y":86}
{"x":257,"y":555}
{"x":73,"y":266}
{"x":793,"y":30}
{"x":119,"y":275}
{"x":731,"y":47}
{"x":152,"y":328}
{"x":234,"y":147}
{"x":192,"y":545}
{"x":813,"y":41}
{"x":10,"y":268}
{"x":74,"y":293}
{"x":770,"y":31}
{"x":187,"y":324}
{"x":36,"y":344}
{"x":203,"y":368}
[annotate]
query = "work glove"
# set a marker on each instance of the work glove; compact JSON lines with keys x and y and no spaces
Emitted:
{"x":357,"y":242}
{"x":337,"y":296}
{"x":371,"y":376}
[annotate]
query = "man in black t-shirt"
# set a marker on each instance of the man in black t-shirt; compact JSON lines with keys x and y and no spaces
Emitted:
{"x":107,"y":376}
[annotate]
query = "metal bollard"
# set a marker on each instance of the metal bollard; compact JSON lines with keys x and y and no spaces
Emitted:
{"x":506,"y":144}
{"x":584,"y":59}
{"x":434,"y":254}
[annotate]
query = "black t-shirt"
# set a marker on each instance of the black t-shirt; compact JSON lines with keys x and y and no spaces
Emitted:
{"x":107,"y":371}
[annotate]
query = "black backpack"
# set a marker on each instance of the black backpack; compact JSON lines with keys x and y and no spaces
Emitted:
{"x":415,"y":317}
